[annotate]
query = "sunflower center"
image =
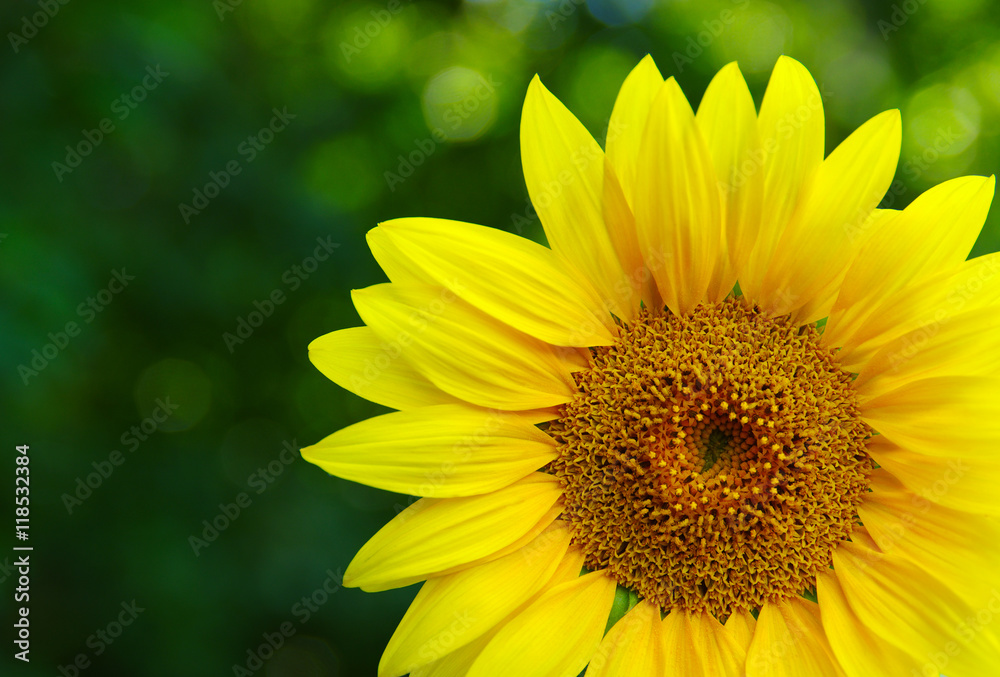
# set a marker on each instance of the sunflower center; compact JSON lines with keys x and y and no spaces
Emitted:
{"x":713,"y":461}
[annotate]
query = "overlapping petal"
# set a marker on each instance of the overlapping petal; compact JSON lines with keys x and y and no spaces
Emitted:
{"x":975,"y":285}
{"x":444,"y":451}
{"x":792,"y":133}
{"x":860,"y":652}
{"x":937,"y":416}
{"x":933,"y":235}
{"x":396,"y":265}
{"x":451,"y":611}
{"x":634,"y":647}
{"x":358,"y":361}
{"x":963,"y":345}
{"x":564,"y":171}
{"x":956,"y":481}
{"x":626,"y":128}
{"x":437,"y":535}
{"x":697,"y":644}
{"x":641,"y":287}
{"x":525,"y":646}
{"x":459,"y":661}
{"x":728,"y":120}
{"x":512,"y":279}
{"x":625,"y":137}
{"x":959,"y":550}
{"x":905,"y":606}
{"x":677,"y":203}
{"x":825,"y":231}
{"x":463,"y":351}
{"x":740,"y":626}
{"x":789,"y":641}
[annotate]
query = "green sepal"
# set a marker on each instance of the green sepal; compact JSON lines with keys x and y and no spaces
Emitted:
{"x":625,"y":599}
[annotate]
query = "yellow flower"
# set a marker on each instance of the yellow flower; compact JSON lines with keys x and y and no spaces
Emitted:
{"x":732,"y":387}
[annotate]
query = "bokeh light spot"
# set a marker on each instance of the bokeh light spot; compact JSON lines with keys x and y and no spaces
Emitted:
{"x":945,"y":118}
{"x":460,"y":104}
{"x":367,"y":45}
{"x":757,"y":36}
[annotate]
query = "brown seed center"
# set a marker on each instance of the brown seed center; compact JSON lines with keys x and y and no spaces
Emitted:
{"x":712,"y":461}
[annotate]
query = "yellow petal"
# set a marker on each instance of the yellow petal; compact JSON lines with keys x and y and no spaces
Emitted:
{"x":740,"y":626}
{"x":789,"y":641}
{"x":634,"y":647}
{"x":577,"y":610}
{"x":728,"y":120}
{"x":464,"y":351}
{"x":628,"y":122}
{"x":826,"y":296}
{"x":515,"y":280}
{"x":569,"y":568}
{"x":792,"y":137}
{"x":521,"y":543}
{"x":624,"y":139}
{"x":861,"y":536}
{"x":444,"y":451}
{"x":939,"y":416}
{"x":975,"y":285}
{"x":358,"y":361}
{"x":398,"y":267}
{"x":677,"y":209}
{"x":964,"y":345}
{"x":913,"y":611}
{"x":859,"y":652}
{"x":451,"y":611}
{"x":641,"y":288}
{"x":932,"y":235}
{"x":540,"y":415}
{"x":564,"y":172}
{"x":958,"y":482}
{"x":820,"y":240}
{"x":436,"y":534}
{"x":958,"y":549}
{"x":697,"y":644}
{"x":458,"y":662}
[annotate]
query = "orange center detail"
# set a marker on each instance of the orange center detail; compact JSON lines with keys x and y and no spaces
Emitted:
{"x":713,"y":461}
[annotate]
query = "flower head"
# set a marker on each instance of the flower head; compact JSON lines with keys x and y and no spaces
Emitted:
{"x":735,"y":420}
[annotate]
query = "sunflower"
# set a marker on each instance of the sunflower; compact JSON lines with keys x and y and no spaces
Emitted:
{"x":735,"y":419}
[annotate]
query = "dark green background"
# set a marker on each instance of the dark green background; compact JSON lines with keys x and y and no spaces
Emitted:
{"x":323,"y":176}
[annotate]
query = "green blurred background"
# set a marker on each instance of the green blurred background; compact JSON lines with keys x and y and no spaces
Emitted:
{"x":401,"y":108}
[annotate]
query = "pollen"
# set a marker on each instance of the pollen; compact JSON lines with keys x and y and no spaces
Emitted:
{"x":692,"y":505}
